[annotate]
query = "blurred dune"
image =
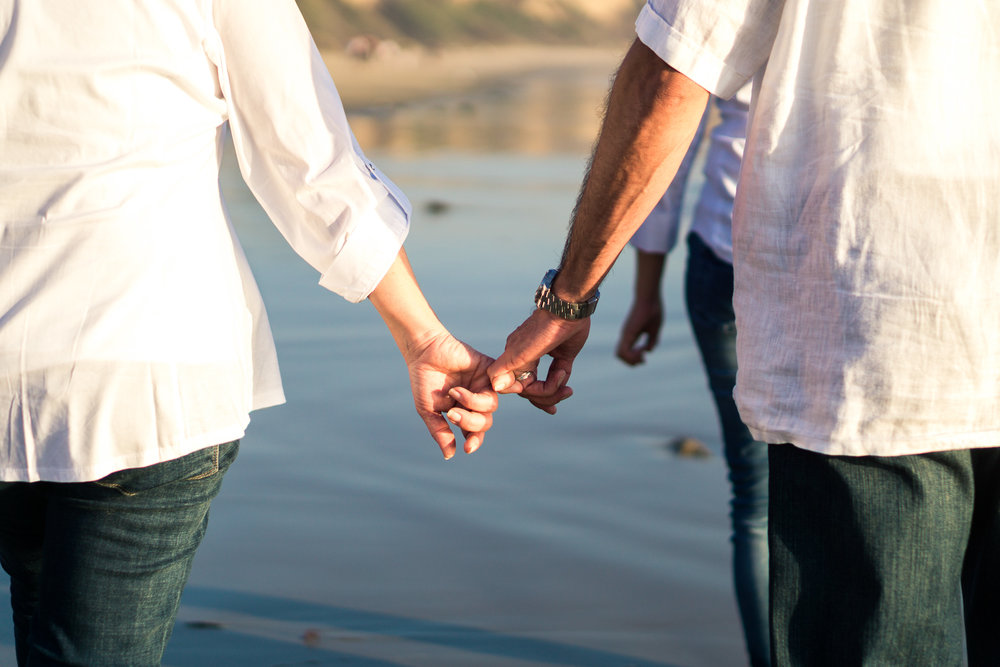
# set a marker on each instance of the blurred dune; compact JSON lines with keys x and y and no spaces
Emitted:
{"x":386,"y":53}
{"x":418,"y":74}
{"x":438,"y":23}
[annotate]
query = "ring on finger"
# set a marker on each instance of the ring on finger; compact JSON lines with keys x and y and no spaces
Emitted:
{"x":523,"y":375}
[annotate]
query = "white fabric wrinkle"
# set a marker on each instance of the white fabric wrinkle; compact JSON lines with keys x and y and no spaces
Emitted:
{"x":131,"y":329}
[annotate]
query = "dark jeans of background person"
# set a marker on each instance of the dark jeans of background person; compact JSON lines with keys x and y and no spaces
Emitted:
{"x":868,"y":554}
{"x":709,"y":294}
{"x":97,"y":568}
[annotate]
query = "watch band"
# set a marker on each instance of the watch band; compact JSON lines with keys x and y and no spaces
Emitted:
{"x":546,"y":299}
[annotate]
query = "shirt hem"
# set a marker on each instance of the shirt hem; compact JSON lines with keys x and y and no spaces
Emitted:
{"x":885,"y":447}
{"x":100,"y":470}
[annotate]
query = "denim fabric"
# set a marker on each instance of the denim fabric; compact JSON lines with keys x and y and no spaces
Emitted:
{"x":709,"y":292}
{"x":97,"y":568}
{"x":871,"y":557}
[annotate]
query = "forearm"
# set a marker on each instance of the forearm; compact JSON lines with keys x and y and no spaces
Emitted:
{"x":649,"y":267}
{"x":403,"y":307}
{"x":653,"y":113}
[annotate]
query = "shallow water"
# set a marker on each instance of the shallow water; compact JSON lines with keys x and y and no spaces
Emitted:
{"x":342,"y":537}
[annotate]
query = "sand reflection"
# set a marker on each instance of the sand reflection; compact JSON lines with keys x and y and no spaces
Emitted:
{"x":535,"y":114}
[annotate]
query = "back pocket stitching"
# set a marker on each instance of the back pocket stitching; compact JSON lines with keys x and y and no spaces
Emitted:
{"x":208,"y":473}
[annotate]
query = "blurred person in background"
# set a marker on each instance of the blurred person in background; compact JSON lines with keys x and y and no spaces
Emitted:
{"x":133,"y":339}
{"x":709,"y":299}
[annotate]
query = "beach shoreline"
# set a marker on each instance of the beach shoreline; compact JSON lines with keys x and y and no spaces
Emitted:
{"x":412,"y":75}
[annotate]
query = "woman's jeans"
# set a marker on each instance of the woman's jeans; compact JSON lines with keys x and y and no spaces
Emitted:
{"x":97,"y":568}
{"x":873,"y":558}
{"x":709,"y":292}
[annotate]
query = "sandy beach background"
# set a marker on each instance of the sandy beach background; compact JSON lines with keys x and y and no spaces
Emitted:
{"x":417,"y":74}
{"x":342,"y":538}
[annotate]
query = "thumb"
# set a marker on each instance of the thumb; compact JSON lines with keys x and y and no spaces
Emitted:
{"x":501,"y":372}
{"x":652,"y":338}
{"x":535,"y":338}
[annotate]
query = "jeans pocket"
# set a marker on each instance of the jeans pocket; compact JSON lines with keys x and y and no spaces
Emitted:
{"x":222,"y":457}
{"x":212,"y":469}
{"x":200,"y":465}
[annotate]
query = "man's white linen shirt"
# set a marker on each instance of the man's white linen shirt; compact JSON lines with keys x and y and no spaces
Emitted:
{"x":713,"y":214}
{"x":866,"y":236}
{"x":131,"y":329}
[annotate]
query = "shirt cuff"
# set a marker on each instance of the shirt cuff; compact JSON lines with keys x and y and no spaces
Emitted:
{"x":368,"y":252}
{"x":656,"y":235}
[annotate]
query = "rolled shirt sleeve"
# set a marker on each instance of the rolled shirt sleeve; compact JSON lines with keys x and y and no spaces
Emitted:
{"x":296,"y":150}
{"x":734,"y":39}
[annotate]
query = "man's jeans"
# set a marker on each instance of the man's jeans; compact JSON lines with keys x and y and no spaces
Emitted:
{"x":709,"y":292}
{"x":97,"y":568}
{"x":868,"y":555}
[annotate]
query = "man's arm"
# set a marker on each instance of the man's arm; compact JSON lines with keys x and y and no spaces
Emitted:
{"x":653,"y":113}
{"x":446,"y":375}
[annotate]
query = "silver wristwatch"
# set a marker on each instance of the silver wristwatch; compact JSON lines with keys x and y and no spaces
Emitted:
{"x":547,"y":300}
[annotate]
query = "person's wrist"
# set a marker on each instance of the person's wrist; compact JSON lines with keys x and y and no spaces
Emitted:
{"x":650,"y":297}
{"x":565,"y":290}
{"x":549,"y":299}
{"x":415,"y":343}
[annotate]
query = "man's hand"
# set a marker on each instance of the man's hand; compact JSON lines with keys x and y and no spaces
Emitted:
{"x":542,"y":333}
{"x":640,"y":332}
{"x":448,"y":376}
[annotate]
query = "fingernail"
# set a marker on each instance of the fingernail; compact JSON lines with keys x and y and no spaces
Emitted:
{"x":500,"y":383}
{"x":454,"y":417}
{"x":455,"y":393}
